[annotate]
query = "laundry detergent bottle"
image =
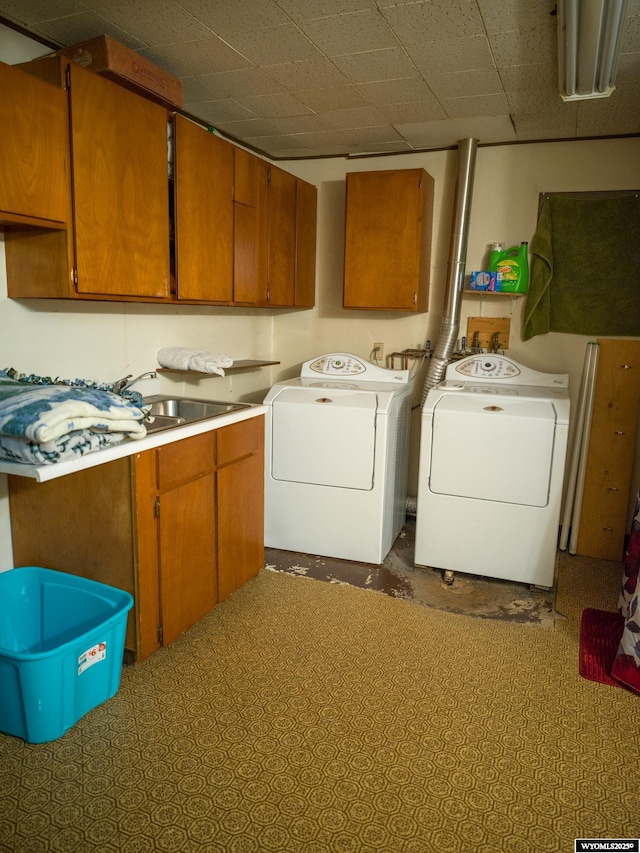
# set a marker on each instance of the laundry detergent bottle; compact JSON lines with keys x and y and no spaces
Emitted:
{"x":512,"y":267}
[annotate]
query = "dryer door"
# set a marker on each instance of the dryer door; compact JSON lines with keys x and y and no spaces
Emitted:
{"x":324,"y":436}
{"x":496,"y":448}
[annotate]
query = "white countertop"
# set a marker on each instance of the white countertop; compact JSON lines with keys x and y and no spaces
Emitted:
{"x":41,"y":473}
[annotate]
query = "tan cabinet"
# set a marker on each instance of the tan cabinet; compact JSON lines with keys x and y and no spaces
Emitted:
{"x":203,"y":214}
{"x":180,"y":527}
{"x":120,"y":245}
{"x":292,"y":240}
{"x":34,"y":151}
{"x":612,"y":442}
{"x":389,"y":218}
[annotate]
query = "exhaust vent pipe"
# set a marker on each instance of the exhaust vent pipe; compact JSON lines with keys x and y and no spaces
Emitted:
{"x":450,"y":324}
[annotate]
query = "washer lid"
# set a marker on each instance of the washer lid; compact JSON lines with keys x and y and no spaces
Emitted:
{"x":492,"y":448}
{"x":324,"y":437}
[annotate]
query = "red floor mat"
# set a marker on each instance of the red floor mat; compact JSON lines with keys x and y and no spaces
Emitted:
{"x":600,"y":633}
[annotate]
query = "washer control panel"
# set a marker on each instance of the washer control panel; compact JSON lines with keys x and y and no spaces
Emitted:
{"x":488,"y":367}
{"x":337,"y":365}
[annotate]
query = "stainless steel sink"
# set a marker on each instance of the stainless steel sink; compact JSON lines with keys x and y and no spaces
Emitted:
{"x":168,"y":412}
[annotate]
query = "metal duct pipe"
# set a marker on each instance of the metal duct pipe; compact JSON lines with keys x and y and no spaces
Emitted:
{"x":457,"y":258}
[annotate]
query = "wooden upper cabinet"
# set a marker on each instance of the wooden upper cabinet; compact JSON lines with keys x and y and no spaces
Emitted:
{"x":305,"y":255}
{"x":282,"y":237}
{"x":292,"y":240}
{"x":389,"y":217}
{"x":120,"y":189}
{"x":34,"y":151}
{"x":251,"y":212}
{"x":203,"y":213}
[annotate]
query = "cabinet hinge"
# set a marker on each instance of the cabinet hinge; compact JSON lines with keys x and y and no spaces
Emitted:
{"x":415,"y":298}
{"x":160,"y":635}
{"x":156,"y":508}
{"x":420,"y":182}
{"x":74,"y":278}
{"x":67,"y":77}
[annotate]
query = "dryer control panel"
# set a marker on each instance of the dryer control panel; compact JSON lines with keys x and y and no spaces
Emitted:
{"x":488,"y":367}
{"x":337,"y":365}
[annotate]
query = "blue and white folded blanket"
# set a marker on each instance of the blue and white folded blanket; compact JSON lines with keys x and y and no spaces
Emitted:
{"x":50,"y":422}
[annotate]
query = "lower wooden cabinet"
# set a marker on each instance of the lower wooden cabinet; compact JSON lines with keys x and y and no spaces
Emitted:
{"x":180,"y":527}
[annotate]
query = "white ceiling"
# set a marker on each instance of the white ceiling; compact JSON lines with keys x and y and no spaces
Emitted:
{"x":308,"y":78}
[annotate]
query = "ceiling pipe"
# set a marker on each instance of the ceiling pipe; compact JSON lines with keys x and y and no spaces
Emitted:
{"x":450,"y":324}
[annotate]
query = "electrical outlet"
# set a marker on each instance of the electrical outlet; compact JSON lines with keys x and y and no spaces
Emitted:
{"x":378,"y":351}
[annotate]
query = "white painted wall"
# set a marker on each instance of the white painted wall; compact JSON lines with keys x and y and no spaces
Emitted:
{"x":104,"y":341}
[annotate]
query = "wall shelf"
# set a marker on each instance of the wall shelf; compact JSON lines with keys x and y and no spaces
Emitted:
{"x":240,"y":366}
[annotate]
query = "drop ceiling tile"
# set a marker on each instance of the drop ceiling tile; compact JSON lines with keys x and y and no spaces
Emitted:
{"x":505,"y":16}
{"x":372,"y":65}
{"x":462,"y":54}
{"x":278,"y":105}
{"x":227,"y":18}
{"x":530,"y":78}
{"x":620,"y":110}
{"x":274,"y":145}
{"x":541,"y":126}
{"x":372,"y":135}
{"x":300,"y":124}
{"x":542,"y":101}
{"x":461,"y":84}
{"x":206,"y":56}
{"x":358,"y":117}
{"x":303,"y":10}
{"x":412,"y":113}
{"x":78,"y":28}
{"x":216,"y":112}
{"x":438,"y":134}
{"x":246,"y":128}
{"x":160,"y":22}
{"x":350,"y":33}
{"x":421,"y":23}
{"x":332,"y":140}
{"x":306,"y":74}
{"x":323,"y":100}
{"x":396,"y":146}
{"x":275,"y":45}
{"x":229,"y":84}
{"x":481,"y":105}
{"x":28,"y":12}
{"x":629,"y":66}
{"x":631,"y":35}
{"x":527,"y":47}
{"x":411,"y":89}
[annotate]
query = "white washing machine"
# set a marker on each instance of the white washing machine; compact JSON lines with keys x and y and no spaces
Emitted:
{"x":336,"y":457}
{"x":492,"y":456}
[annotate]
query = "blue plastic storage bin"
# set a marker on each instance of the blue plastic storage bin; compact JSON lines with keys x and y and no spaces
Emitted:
{"x":61,"y":649}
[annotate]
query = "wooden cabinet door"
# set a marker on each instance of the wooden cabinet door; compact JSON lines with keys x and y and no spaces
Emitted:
{"x":612,"y":442}
{"x":282,"y":237}
{"x":251,"y":214}
{"x":388,"y":238}
{"x":188,"y":583}
{"x":34,"y":149}
{"x":120,"y":189}
{"x":203,"y":175}
{"x":186,"y":536}
{"x":240,"y":496}
{"x":305,"y":250}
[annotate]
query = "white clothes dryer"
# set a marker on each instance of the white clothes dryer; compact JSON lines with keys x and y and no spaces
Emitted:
{"x":336,"y":458}
{"x":492,"y":456}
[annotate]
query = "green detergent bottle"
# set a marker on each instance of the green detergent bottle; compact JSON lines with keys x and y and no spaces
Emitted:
{"x":512,"y":266}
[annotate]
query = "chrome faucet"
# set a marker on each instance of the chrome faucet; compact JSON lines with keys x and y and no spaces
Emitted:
{"x":127,"y":381}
